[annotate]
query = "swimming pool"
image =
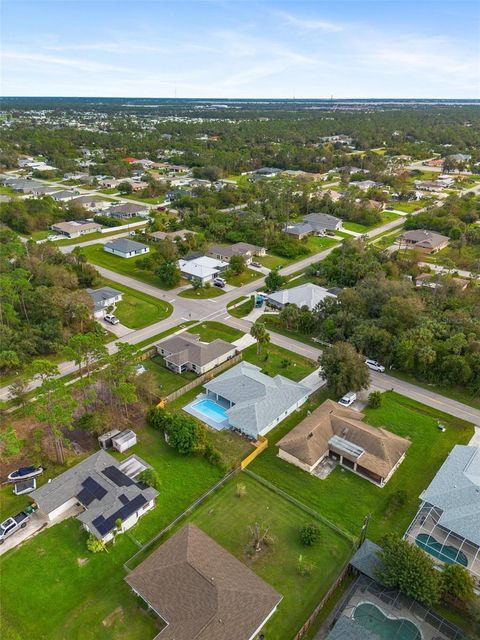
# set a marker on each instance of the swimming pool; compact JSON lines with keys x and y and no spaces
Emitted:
{"x":210,"y":410}
{"x":449,"y":555}
{"x":372,"y":618}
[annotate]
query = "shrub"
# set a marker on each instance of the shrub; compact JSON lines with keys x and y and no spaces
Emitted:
{"x":375,"y":400}
{"x":309,"y":534}
{"x":458,"y":582}
{"x":157,"y":418}
{"x":94,"y":545}
{"x":213,"y":455}
{"x":150,"y":476}
{"x":240,"y":490}
{"x":10,"y":443}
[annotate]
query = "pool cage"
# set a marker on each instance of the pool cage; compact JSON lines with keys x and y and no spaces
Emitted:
{"x":441,"y":543}
{"x":392,"y":604}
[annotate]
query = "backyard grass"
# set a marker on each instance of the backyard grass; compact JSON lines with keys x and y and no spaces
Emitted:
{"x":138,"y":309}
{"x":344,"y":498}
{"x":167,"y":380}
{"x":276,"y":360}
{"x":202,"y":294}
{"x":210,"y":330}
{"x":227,"y":518}
{"x":249,"y":275}
{"x":52,"y":587}
{"x":163,"y":334}
{"x":126,"y":266}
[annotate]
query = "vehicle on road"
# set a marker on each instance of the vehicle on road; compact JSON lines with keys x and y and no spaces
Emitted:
{"x":13,"y":524}
{"x":219,"y":282}
{"x":25,"y":472}
{"x":111,"y":319}
{"x":374,"y":365}
{"x":348,"y":399}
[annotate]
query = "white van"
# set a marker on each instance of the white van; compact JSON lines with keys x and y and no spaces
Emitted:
{"x":348,"y":399}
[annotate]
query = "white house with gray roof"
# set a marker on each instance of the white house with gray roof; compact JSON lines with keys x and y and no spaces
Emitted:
{"x":186,"y":352}
{"x":447,"y":524}
{"x":102,"y":491}
{"x":253,"y":402}
{"x":126,"y":248}
{"x":305,"y":295}
{"x":104,"y":300}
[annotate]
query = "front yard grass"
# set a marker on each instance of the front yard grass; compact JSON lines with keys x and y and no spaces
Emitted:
{"x":248,"y":275}
{"x":387,"y":216}
{"x":138,"y":309}
{"x":202,"y":294}
{"x":227,"y":518}
{"x":210,"y":330}
{"x":276,"y":360}
{"x":242,"y":309}
{"x":344,"y":498}
{"x":125,"y":266}
{"x":273,"y":323}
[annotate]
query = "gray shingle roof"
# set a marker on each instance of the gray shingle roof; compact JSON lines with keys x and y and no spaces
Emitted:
{"x":304,"y":295}
{"x":113,"y":498}
{"x":127,"y":207}
{"x":298,"y":228}
{"x":321,"y":221}
{"x":367,"y":559}
{"x":123,"y":245}
{"x":187,"y":347}
{"x":99,"y":296}
{"x":456,"y":491}
{"x":258,"y":399}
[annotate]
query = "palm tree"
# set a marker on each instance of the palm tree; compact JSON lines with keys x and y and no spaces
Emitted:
{"x":261,"y":335}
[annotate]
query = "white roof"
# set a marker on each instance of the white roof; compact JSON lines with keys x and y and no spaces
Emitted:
{"x":304,"y":295}
{"x":202,"y":267}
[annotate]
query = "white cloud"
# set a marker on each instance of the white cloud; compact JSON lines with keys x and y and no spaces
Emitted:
{"x":40,"y":59}
{"x":310,"y":24}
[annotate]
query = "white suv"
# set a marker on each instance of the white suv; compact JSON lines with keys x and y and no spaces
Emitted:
{"x":111,"y":319}
{"x":348,"y":399}
{"x":374,"y":365}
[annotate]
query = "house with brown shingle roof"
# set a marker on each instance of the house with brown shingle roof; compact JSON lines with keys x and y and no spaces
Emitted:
{"x":202,"y":592}
{"x":339,"y":433}
{"x":185,"y":352}
{"x":427,"y":241}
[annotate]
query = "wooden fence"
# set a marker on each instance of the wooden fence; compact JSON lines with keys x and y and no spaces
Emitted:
{"x":261,"y":445}
{"x":203,"y":378}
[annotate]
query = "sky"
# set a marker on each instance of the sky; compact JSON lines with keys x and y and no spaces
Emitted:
{"x":241,"y":49}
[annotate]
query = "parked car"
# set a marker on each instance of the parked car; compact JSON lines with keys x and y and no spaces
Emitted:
{"x":348,"y":399}
{"x":374,"y":365}
{"x":257,"y":265}
{"x":111,"y":319}
{"x":10,"y":525}
{"x":219,"y":282}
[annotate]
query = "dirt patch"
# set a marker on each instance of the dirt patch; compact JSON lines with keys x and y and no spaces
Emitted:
{"x":82,"y":561}
{"x":117,"y":614}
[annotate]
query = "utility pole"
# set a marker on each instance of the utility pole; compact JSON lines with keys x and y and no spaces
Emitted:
{"x":363,"y":532}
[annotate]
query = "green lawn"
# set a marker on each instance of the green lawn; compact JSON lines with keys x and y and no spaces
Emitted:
{"x":468,"y":257}
{"x":387,"y":216}
{"x":138,"y":309}
{"x":273,"y":323}
{"x":163,"y":334}
{"x":407,"y":207}
{"x":249,"y":275}
{"x":168,"y":381}
{"x":210,"y":330}
{"x":344,"y":498}
{"x":48,"y":594}
{"x":126,"y":266}
{"x":227,"y":519}
{"x":297,"y":368}
{"x":273,"y":262}
{"x":202,"y":294}
{"x":243,"y":309}
{"x":315,"y":244}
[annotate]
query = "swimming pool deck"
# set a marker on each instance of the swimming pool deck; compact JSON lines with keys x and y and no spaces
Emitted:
{"x":190,"y":408}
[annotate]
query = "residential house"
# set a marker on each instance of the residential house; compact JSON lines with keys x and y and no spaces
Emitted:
{"x":200,"y":591}
{"x":338,"y":433}
{"x":447,"y":524}
{"x":268,"y":172}
{"x":334,"y":196}
{"x":244,"y":249}
{"x":460,"y":157}
{"x":181,"y":234}
{"x":427,"y":241}
{"x":127,"y":210}
{"x":365,"y":185}
{"x":104,"y":491}
{"x":305,"y":295}
{"x":92,"y":203}
{"x":203,"y":268}
{"x":125,"y":248}
{"x":109,"y":183}
{"x":437,"y":281}
{"x":321,"y":222}
{"x":64,"y":195}
{"x":428,"y":185}
{"x":24,"y":185}
{"x":252,"y":402}
{"x":104,"y":300}
{"x":185,"y":352}
{"x":76,"y":228}
{"x":298,"y":230}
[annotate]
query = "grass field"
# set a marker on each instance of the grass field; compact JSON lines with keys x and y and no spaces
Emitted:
{"x":387,"y":216}
{"x":249,"y":275}
{"x":138,"y":309}
{"x":167,"y":380}
{"x":243,"y":309}
{"x":408,"y":207}
{"x":126,"y":266}
{"x":346,"y":499}
{"x":275,"y":360}
{"x":273,"y":262}
{"x":227,"y":519}
{"x":210,"y":330}
{"x":163,"y":334}
{"x":202,"y":294}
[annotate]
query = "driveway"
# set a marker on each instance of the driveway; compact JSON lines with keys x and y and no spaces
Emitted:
{"x":34,"y":526}
{"x":119,"y":330}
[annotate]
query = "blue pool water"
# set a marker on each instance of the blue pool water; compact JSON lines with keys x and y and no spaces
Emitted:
{"x":373,"y":619}
{"x":211,"y":410}
{"x":449,"y":555}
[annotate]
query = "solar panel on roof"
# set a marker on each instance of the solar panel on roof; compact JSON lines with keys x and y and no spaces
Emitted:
{"x":123,"y":499}
{"x":91,"y":491}
{"x":105,"y":525}
{"x":117,"y":477}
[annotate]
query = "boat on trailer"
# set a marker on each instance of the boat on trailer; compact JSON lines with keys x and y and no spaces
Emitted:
{"x":25,"y":472}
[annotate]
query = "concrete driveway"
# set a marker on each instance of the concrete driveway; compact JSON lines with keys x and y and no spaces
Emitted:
{"x":34,"y":526}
